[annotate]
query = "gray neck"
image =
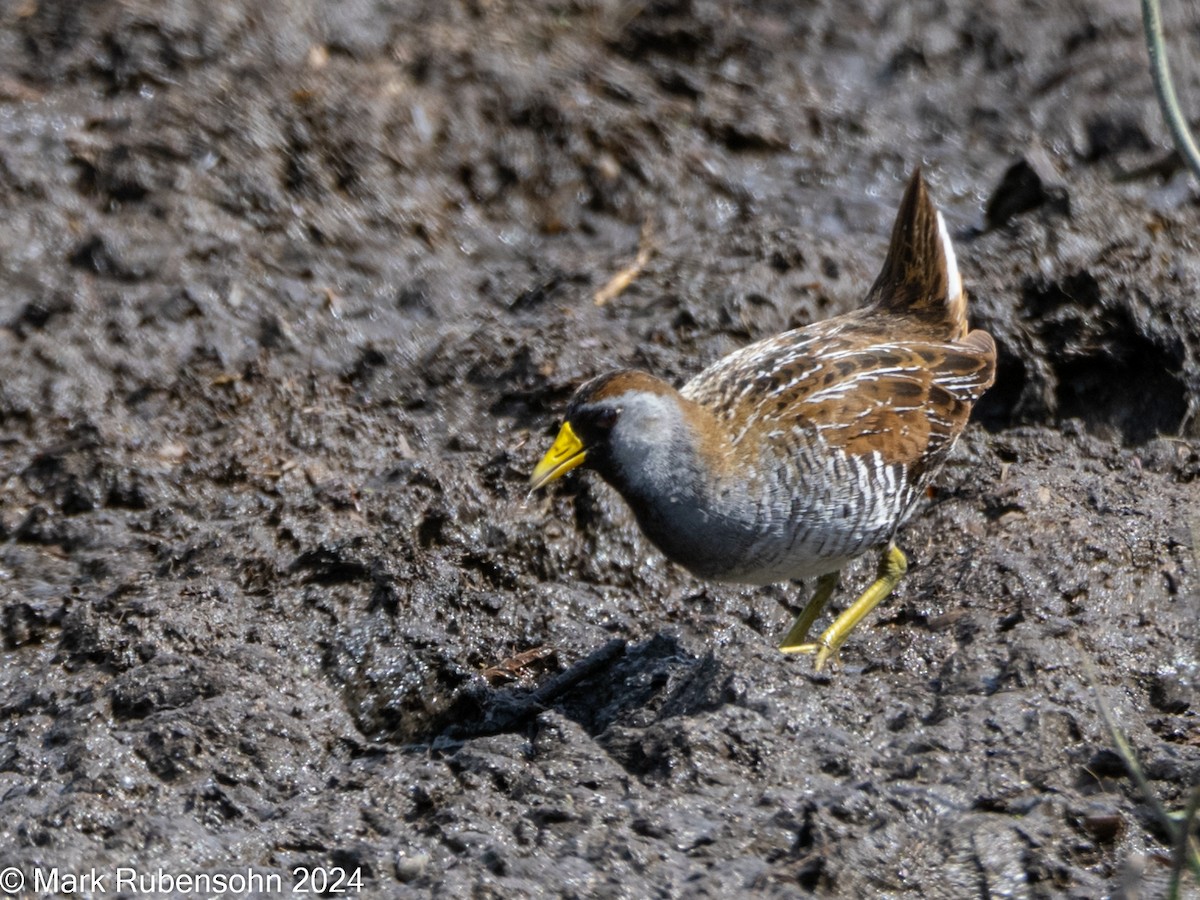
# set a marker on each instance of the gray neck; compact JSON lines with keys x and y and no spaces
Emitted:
{"x":694,"y":516}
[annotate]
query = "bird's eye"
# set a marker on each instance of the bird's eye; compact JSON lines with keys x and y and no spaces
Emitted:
{"x":607,"y":417}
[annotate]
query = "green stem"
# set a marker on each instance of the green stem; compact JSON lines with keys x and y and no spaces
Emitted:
{"x":1165,"y":87}
{"x":1185,"y":849}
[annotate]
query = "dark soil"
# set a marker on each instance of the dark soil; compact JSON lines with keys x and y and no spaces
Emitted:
{"x":291,"y":297}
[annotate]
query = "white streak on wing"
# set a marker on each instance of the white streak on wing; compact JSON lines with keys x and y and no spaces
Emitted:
{"x":866,"y":375}
{"x":737,"y":438}
{"x":952,"y":275}
{"x":828,"y":356}
{"x":962,"y":381}
{"x":842,"y":354}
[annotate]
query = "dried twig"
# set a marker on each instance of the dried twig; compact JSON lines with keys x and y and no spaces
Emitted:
{"x":620,"y":281}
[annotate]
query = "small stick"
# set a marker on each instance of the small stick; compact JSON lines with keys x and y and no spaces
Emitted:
{"x":620,"y":281}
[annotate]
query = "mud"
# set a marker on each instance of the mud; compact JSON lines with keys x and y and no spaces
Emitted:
{"x":292,"y":294}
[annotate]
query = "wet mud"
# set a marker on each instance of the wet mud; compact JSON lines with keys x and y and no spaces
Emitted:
{"x":292,"y":296}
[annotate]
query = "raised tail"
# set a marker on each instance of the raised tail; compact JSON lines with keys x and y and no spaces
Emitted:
{"x":920,"y":275}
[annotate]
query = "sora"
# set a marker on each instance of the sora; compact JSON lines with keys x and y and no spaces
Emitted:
{"x":795,"y":455}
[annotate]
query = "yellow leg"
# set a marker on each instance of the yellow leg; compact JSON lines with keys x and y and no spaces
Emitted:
{"x":892,"y":567}
{"x":798,"y":633}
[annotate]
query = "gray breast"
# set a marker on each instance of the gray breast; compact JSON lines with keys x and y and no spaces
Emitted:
{"x":819,"y":512}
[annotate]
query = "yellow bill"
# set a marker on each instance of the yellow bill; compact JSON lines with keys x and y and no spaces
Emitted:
{"x":560,"y":459}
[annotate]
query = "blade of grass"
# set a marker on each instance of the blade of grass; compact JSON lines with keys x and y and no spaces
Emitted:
{"x":1179,"y":831}
{"x":1186,"y":847}
{"x":1164,"y":86}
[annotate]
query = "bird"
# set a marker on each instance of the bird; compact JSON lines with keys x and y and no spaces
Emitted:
{"x":796,"y":455}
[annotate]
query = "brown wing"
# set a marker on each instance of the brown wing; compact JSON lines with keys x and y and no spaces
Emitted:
{"x":782,"y":368}
{"x":908,"y":401}
{"x":896,"y":378}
